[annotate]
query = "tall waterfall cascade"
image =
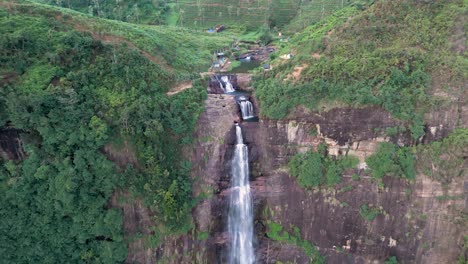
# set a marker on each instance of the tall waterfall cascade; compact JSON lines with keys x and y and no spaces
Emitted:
{"x":240,"y":218}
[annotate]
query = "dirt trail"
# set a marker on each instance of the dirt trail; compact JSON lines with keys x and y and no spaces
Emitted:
{"x":116,"y":40}
{"x":179,"y":87}
{"x":296,"y":73}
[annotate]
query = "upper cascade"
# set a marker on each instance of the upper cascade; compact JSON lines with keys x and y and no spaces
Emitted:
{"x":228,"y":88}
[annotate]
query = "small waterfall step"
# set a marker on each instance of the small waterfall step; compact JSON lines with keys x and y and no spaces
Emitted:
{"x":223,"y":82}
{"x":240,"y":217}
{"x":246,"y":107}
{"x":228,"y":88}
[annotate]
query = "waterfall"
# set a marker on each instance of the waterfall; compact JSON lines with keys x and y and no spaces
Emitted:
{"x":246,"y":109}
{"x":240,"y":218}
{"x":228,"y":85}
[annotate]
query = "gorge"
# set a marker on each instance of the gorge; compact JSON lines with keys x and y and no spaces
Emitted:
{"x":343,"y":138}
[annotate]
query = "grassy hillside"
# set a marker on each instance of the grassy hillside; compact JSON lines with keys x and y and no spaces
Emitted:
{"x":182,"y":50}
{"x":291,"y":14}
{"x":135,"y":11}
{"x":73,"y":84}
{"x":386,"y":55}
{"x":311,"y":12}
{"x":188,"y":13}
{"x":208,"y":13}
{"x":253,"y":14}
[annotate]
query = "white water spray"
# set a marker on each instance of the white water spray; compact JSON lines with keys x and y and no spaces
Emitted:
{"x":246,"y":109}
{"x":240,"y":218}
{"x":228,"y":85}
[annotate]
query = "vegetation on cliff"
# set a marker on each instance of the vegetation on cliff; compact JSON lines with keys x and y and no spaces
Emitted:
{"x":446,"y":159}
{"x":77,"y":84}
{"x":70,"y":95}
{"x":385,"y":55}
{"x":277,"y":232}
{"x":316,"y":168}
{"x":441,"y":160}
{"x":389,"y":159}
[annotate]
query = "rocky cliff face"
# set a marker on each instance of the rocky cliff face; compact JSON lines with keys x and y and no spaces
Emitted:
{"x":415,"y":224}
{"x":10,"y":144}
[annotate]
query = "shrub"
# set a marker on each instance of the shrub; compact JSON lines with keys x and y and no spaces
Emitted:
{"x":315,"y":168}
{"x":444,"y":160}
{"x":369,"y":213}
{"x":391,"y":160}
{"x":307,"y":168}
{"x":276,"y":232}
{"x":391,"y":260}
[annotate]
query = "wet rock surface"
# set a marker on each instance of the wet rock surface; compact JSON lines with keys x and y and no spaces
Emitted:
{"x":257,"y":53}
{"x":10,"y":144}
{"x":215,"y":84}
{"x":413,"y":223}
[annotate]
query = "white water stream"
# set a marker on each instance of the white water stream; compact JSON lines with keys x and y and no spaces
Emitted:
{"x":240,"y":218}
{"x":246,"y":109}
{"x":228,"y":85}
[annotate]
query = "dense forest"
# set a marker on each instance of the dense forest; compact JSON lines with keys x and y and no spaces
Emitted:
{"x":70,"y":95}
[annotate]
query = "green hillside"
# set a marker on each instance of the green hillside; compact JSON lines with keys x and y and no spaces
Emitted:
{"x":73,"y":84}
{"x":135,"y":11}
{"x":253,"y":14}
{"x":208,"y":13}
{"x":86,"y":84}
{"x":386,"y":55}
{"x":310,"y":12}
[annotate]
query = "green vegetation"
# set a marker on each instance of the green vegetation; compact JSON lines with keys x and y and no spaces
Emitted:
{"x":138,"y":11}
{"x":444,"y":160}
{"x":385,"y":55}
{"x":71,"y":95}
{"x":277,"y":97}
{"x":391,"y":260}
{"x":440,"y":160}
{"x":203,"y":235}
{"x":311,"y":12}
{"x":77,"y":84}
{"x":389,"y":159}
{"x":393,"y":131}
{"x":247,"y":14}
{"x":346,"y":188}
{"x":292,"y":14}
{"x":317,"y":168}
{"x":276,"y":232}
{"x":450,"y":197}
{"x":369,"y":213}
{"x":463,"y":257}
{"x":181,"y":53}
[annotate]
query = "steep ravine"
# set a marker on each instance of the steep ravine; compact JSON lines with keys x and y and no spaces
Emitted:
{"x":416,"y":225}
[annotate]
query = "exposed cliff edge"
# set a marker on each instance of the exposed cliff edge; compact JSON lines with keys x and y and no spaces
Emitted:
{"x":77,"y":87}
{"x":10,"y":144}
{"x":415,"y":224}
